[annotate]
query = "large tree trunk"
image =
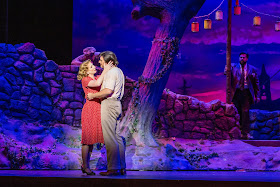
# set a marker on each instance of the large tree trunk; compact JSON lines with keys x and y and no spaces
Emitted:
{"x":174,"y":17}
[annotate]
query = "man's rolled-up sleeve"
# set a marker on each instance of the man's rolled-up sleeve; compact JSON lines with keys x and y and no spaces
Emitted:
{"x":110,"y":81}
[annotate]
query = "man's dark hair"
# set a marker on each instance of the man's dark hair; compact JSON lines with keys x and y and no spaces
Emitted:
{"x":109,"y":56}
{"x":244,"y":53}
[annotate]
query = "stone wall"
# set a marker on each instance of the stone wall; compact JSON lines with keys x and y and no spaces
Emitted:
{"x":186,"y":117}
{"x":265,"y":125}
{"x":31,"y":85}
{"x":34,"y":88}
{"x":72,"y":98}
{"x":37,"y":89}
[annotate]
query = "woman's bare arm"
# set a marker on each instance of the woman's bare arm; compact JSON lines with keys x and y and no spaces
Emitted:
{"x":98,"y":82}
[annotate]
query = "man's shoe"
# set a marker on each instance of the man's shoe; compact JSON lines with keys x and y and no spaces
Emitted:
{"x":112,"y":172}
{"x":123,"y":171}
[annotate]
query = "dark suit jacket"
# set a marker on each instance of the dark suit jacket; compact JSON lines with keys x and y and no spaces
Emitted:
{"x":252,"y":79}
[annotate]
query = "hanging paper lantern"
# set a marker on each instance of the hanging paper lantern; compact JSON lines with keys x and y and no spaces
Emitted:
{"x":219,"y":15}
{"x":257,"y":21}
{"x":195,"y":27}
{"x":207,"y":24}
{"x":277,"y":26}
{"x":237,"y":8}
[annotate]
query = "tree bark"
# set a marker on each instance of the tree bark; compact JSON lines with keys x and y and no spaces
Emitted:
{"x":174,"y":17}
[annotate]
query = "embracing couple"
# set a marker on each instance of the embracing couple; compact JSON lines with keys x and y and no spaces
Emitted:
{"x":101,"y":113}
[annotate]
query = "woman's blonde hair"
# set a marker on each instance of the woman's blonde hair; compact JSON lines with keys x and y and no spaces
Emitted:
{"x":83,"y":69}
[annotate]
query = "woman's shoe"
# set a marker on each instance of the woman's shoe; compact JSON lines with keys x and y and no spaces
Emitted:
{"x":88,"y":173}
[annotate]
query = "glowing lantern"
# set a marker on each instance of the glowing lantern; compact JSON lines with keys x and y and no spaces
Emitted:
{"x":237,"y":8}
{"x":207,"y":24}
{"x":219,"y":15}
{"x":257,"y":21}
{"x":277,"y":26}
{"x":195,"y":27}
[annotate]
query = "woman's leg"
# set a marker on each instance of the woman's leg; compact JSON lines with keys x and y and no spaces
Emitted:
{"x":85,"y":155}
{"x":90,"y":148}
{"x":86,"y":152}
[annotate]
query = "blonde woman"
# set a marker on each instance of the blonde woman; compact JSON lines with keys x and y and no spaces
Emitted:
{"x":91,"y":116}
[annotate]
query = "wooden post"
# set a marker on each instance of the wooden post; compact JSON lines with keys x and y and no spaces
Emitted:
{"x":228,"y":54}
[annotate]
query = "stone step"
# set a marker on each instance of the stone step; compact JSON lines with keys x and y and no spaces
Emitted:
{"x":258,"y":143}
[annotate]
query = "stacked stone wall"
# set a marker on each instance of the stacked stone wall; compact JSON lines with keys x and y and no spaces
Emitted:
{"x":37,"y":89}
{"x":186,"y":117}
{"x":73,"y":96}
{"x":265,"y":125}
{"x":30,"y":84}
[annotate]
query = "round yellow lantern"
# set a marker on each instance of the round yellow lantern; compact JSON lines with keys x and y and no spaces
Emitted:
{"x":195,"y":26}
{"x":207,"y":24}
{"x":219,"y":15}
{"x":257,"y":21}
{"x":277,"y":26}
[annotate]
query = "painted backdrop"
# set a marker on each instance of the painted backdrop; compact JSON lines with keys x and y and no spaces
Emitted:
{"x":107,"y":25}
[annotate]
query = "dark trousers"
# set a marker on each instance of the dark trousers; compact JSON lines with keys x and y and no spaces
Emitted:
{"x":242,"y":100}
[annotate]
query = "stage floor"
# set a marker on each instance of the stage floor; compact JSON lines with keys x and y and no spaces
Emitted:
{"x":139,"y":178}
{"x":159,"y":175}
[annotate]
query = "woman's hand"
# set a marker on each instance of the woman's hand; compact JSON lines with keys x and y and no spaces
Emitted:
{"x":108,"y":66}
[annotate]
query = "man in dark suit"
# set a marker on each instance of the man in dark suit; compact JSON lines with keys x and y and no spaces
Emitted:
{"x":245,"y":90}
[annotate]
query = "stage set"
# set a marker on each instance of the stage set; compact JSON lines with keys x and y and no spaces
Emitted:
{"x":201,"y":103}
